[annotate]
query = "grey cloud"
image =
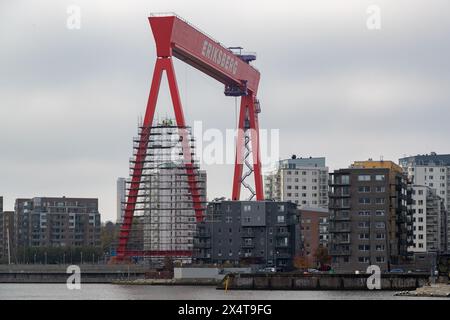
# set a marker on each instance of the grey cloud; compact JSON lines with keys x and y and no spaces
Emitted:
{"x":70,"y":99}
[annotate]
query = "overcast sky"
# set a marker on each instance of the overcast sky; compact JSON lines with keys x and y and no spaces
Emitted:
{"x":70,"y":99}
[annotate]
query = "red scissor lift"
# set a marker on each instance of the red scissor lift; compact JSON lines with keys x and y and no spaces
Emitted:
{"x":175,"y":37}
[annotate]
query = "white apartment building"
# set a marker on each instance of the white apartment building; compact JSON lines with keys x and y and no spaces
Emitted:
{"x":303,"y":181}
{"x":165,"y":205}
{"x":429,"y":220}
{"x":433,"y":171}
{"x":169,"y":216}
{"x":120,"y":199}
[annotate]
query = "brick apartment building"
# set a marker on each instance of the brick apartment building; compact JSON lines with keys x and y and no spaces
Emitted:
{"x":369,"y":219}
{"x":314,"y":224}
{"x":57,"y":222}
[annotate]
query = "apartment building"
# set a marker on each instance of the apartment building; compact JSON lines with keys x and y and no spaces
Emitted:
{"x":56,"y":222}
{"x":369,"y":217}
{"x":314,"y":224}
{"x":120,"y":199}
{"x":264,"y":233}
{"x":303,"y":181}
{"x":433,"y":171}
{"x":169,"y":218}
{"x":429,"y":221}
{"x":6,"y":235}
{"x":168,"y":200}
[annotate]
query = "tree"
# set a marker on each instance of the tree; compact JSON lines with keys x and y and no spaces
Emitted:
{"x":109,"y":235}
{"x":321,"y":255}
{"x":168,"y":264}
{"x":301,"y":262}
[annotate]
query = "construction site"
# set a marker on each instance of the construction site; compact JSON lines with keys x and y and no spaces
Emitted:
{"x":166,"y":190}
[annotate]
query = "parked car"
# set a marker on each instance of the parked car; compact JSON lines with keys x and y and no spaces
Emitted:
{"x":313,"y":271}
{"x":398,"y":270}
{"x":267,"y":270}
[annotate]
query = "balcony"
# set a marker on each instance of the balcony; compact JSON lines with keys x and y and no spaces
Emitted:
{"x":203,"y":234}
{"x":248,"y":245}
{"x":340,"y":230}
{"x":341,"y":241}
{"x":283,"y":255}
{"x":340,"y":252}
{"x":342,"y":206}
{"x":248,"y":234}
{"x":340,"y":218}
{"x":202,"y":245}
{"x":282,"y":234}
{"x":342,"y":195}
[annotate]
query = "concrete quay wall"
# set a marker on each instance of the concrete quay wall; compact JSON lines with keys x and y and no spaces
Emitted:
{"x":322,"y":282}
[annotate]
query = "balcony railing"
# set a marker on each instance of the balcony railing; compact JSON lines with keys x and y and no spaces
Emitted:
{"x":340,"y":252}
{"x":202,"y":245}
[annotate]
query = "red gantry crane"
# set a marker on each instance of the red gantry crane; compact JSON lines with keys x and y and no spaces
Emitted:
{"x":176,"y":37}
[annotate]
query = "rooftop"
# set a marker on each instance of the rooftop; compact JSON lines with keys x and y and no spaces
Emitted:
{"x":426,"y":159}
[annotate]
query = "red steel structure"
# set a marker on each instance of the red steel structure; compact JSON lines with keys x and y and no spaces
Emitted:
{"x":175,"y":37}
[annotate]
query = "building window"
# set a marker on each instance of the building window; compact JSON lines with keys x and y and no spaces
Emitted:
{"x":363,"y":259}
{"x":345,"y":179}
{"x":364,"y":177}
{"x":364,"y":189}
{"x":364,"y":236}
{"x":364,"y":200}
{"x":379,"y":225}
{"x":380,"y":236}
{"x":280,"y":219}
{"x":380,"y":200}
{"x":379,"y":247}
{"x":247,"y":207}
{"x":380,"y":189}
{"x":380,"y":177}
{"x":379,"y":213}
{"x":364,"y":213}
{"x":363,"y":224}
{"x":380,"y":259}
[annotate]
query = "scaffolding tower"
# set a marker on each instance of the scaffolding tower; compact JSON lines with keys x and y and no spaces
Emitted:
{"x":165,"y":219}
